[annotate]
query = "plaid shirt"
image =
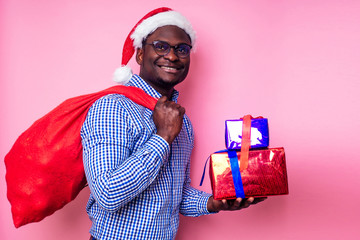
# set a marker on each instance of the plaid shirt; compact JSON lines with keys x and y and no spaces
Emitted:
{"x":138,"y":183}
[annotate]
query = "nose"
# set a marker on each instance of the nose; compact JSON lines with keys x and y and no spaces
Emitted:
{"x":171,"y":55}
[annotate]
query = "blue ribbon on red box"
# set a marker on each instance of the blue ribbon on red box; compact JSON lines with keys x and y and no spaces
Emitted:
{"x":235,"y":172}
{"x":203,"y":175}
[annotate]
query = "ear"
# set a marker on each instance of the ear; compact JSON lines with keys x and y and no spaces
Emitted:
{"x":139,"y":56}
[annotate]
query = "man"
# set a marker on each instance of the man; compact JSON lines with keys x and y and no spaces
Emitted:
{"x":137,"y":162}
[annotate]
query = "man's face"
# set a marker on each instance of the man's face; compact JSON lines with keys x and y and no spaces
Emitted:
{"x":163,"y":72}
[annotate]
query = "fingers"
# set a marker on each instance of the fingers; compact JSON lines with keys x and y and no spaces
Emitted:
{"x":164,"y":103}
{"x":239,"y":203}
{"x":225,"y":204}
{"x":260,"y":199}
{"x":161,"y":102}
{"x":162,"y":99}
{"x":247,"y":202}
{"x":168,"y":118}
{"x":250,"y":200}
{"x":180,"y":108}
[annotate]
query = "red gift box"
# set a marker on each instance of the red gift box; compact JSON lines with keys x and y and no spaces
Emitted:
{"x":265,"y":174}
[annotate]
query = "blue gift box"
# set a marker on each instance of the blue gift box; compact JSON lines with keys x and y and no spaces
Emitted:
{"x":259,"y":133}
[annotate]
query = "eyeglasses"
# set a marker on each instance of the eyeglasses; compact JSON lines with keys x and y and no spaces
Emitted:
{"x":162,"y":48}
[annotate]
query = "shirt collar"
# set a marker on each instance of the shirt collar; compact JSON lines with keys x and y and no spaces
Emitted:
{"x":137,"y":81}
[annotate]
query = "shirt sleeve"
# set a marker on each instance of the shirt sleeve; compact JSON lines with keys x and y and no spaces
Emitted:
{"x":116,"y":173}
{"x":194,"y":201}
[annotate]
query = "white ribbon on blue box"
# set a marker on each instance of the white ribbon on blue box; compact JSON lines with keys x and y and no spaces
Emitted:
{"x":259,"y":133}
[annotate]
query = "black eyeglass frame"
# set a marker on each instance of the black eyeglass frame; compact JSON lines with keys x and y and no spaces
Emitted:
{"x":176,"y":47}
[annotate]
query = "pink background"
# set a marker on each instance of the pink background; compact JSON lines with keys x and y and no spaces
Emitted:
{"x":295,"y":62}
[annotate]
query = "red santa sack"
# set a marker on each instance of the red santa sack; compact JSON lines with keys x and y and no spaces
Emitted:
{"x":44,"y":168}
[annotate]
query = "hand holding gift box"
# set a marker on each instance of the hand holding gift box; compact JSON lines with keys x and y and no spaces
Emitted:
{"x":232,"y":204}
{"x":245,"y":173}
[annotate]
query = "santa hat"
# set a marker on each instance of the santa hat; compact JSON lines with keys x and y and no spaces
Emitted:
{"x":148,"y":24}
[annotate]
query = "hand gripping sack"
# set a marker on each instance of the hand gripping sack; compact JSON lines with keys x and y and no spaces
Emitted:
{"x":44,"y":168}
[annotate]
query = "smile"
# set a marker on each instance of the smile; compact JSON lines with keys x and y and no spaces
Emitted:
{"x":170,"y":69}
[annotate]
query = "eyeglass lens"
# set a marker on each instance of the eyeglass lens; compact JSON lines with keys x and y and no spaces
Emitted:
{"x":163,"y":48}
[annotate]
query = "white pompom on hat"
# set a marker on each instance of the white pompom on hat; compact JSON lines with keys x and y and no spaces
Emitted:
{"x":148,"y":24}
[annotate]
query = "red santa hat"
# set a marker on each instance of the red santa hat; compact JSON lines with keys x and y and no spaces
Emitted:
{"x":148,"y":24}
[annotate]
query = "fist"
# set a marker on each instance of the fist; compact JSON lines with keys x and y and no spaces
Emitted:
{"x":168,"y":118}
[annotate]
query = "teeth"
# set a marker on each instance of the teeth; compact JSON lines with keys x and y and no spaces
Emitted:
{"x":168,"y":68}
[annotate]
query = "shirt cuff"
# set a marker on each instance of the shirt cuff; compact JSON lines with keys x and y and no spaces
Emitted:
{"x":160,"y":145}
{"x":203,"y":204}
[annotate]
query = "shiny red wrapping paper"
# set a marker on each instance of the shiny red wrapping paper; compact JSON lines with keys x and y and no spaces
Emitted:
{"x":265,"y":175}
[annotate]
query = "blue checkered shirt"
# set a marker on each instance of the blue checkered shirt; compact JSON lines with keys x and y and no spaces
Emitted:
{"x":138,"y":183}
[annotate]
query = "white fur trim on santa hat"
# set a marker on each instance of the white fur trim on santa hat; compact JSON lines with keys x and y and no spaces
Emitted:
{"x":150,"y":24}
{"x":122,"y":75}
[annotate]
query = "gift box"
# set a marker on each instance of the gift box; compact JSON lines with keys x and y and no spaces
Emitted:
{"x":265,"y":174}
{"x":259,"y":133}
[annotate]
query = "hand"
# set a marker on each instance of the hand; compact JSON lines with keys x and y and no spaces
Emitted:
{"x":231,"y":205}
{"x":168,"y":118}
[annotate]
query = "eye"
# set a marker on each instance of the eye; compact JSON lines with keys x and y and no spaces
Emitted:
{"x":161,"y":46}
{"x":183,"y":49}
